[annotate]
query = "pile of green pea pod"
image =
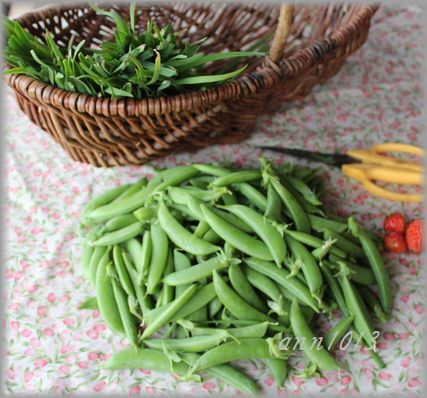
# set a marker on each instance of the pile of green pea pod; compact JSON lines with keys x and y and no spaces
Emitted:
{"x":204,"y":265}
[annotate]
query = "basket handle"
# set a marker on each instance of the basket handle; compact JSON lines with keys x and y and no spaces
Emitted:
{"x":282,"y":31}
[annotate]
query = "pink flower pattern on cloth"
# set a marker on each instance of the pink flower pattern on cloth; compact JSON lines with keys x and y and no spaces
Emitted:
{"x":53,"y":347}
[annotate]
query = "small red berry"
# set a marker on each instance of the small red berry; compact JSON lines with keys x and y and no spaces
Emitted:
{"x":415,"y":236}
{"x":395,"y":222}
{"x":395,"y":243}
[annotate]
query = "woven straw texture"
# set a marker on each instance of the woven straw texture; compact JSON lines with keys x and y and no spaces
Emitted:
{"x":106,"y":132}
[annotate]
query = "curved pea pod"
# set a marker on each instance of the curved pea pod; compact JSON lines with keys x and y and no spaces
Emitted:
{"x":214,"y":307}
{"x":376,"y":262}
{"x":146,"y":251}
{"x":309,"y":266}
{"x":252,"y":348}
{"x":319,"y":224}
{"x":106,"y":302}
{"x":171,"y":309}
{"x":238,"y":239}
{"x":236,"y":177}
{"x":132,"y":189}
{"x":181,"y":262}
{"x":120,"y":222}
{"x":122,"y":272}
{"x":87,"y":252}
{"x":300,"y":186}
{"x":265,"y":230}
{"x":357,"y":308}
{"x":159,"y":256}
{"x":211,"y":169}
{"x":100,"y":254}
{"x":212,"y":237}
{"x":145,"y":358}
{"x":274,"y":204}
{"x":336,"y":333}
{"x":255,"y":330}
{"x":280,"y":276}
{"x":119,"y":236}
{"x":128,"y":320}
{"x":175,"y":176}
{"x":169,"y":291}
{"x":134,"y":248}
{"x":372,"y":302}
{"x":189,"y":344}
{"x":145,"y":214}
{"x":234,"y":303}
{"x":124,"y":205}
{"x":296,"y":211}
{"x":244,"y":289}
{"x":336,"y":291}
{"x":316,"y":354}
{"x":359,"y":274}
{"x":252,"y":194}
{"x":263,"y":284}
{"x":102,"y":200}
{"x":195,"y":273}
{"x":201,"y":229}
{"x":227,"y":373}
{"x":344,"y":244}
{"x":181,"y":236}
{"x":278,"y":369}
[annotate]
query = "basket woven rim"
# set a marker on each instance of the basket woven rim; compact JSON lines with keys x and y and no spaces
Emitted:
{"x":248,"y":83}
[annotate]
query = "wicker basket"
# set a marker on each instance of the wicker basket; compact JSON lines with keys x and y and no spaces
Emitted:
{"x":107,"y":132}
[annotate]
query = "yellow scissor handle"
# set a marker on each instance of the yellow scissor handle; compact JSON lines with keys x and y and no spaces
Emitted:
{"x":368,"y":156}
{"x":364,"y":173}
{"x":398,"y":147}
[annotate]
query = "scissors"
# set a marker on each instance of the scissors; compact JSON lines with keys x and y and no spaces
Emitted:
{"x":370,"y":165}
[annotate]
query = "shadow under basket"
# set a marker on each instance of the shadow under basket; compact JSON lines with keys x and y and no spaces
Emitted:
{"x":117,"y":132}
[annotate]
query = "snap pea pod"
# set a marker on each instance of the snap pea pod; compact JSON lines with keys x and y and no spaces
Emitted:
{"x":251,"y":348}
{"x":278,"y":369}
{"x":214,"y":307}
{"x":244,"y":289}
{"x":234,"y":303}
{"x":236,"y":177}
{"x":335,"y":288}
{"x":90,"y":303}
{"x":201,"y":229}
{"x":181,"y":236}
{"x":189,"y":344}
{"x":122,"y":272}
{"x":169,"y":291}
{"x":125,"y":205}
{"x":128,"y":320}
{"x":212,"y":237}
{"x":201,"y":182}
{"x":120,"y":222}
{"x":357,"y":308}
{"x":263,"y":284}
{"x":206,"y":195}
{"x":145,"y":214}
{"x":181,"y":262}
{"x":376,"y":262}
{"x":146,"y":252}
{"x":344,"y":244}
{"x":273,"y":210}
{"x":100,"y":254}
{"x":238,"y":239}
{"x":319,"y":224}
{"x":265,"y":230}
{"x":309,"y":266}
{"x":255,"y":330}
{"x":87,"y":252}
{"x":252,"y":195}
{"x":313,"y":241}
{"x":359,"y":274}
{"x":336,"y":333}
{"x":174,"y":176}
{"x":202,"y":297}
{"x":169,"y":312}
{"x":119,"y":236}
{"x":229,"y":199}
{"x":106,"y":302}
{"x":318,"y":355}
{"x":280,"y":276}
{"x":210,"y":169}
{"x":227,"y":373}
{"x":195,"y":273}
{"x":372,"y":302}
{"x":131,"y":190}
{"x":103,"y":199}
{"x":201,"y":315}
{"x":145,"y":358}
{"x":159,"y":256}
{"x":134,"y":248}
{"x":300,"y":186}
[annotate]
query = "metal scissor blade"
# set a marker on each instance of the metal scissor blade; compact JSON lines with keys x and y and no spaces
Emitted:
{"x":332,"y":159}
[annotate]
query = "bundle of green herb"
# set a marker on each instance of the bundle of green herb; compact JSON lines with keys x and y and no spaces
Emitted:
{"x":133,"y":64}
